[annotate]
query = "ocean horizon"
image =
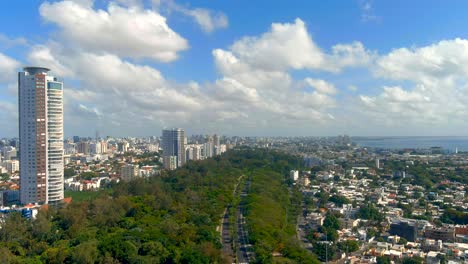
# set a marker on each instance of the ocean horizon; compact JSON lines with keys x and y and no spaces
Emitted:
{"x":449,"y":143}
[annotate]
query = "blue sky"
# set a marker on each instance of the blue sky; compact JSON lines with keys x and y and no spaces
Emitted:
{"x":133,"y":67}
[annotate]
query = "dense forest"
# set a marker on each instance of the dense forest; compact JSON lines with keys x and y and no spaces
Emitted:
{"x":170,"y":218}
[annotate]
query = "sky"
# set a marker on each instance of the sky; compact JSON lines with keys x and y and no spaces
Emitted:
{"x":249,"y":68}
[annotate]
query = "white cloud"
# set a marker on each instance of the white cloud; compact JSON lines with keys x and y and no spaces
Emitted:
{"x":208,"y":20}
{"x":284,"y":46}
{"x":127,"y":32}
{"x":8,"y":68}
{"x":321,"y":86}
{"x":446,"y":60}
{"x":7,"y":42}
{"x":351,"y":55}
{"x":438,"y":74}
{"x":290,"y":46}
{"x":8,"y":118}
{"x":256,"y":79}
{"x":42,"y":55}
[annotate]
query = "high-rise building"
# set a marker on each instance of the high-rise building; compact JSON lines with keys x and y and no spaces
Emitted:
{"x":83,"y":147}
{"x":128,"y":172}
{"x":41,"y":136}
{"x":209,"y":149}
{"x":103,"y":147}
{"x":173,"y":146}
{"x":216,"y":140}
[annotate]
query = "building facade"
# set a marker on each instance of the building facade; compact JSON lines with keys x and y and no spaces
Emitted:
{"x":128,"y":172}
{"x":173,"y":145}
{"x":41,"y":136}
{"x":408,"y":230}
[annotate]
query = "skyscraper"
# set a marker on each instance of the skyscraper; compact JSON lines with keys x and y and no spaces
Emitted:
{"x":173,"y":147}
{"x":41,"y":136}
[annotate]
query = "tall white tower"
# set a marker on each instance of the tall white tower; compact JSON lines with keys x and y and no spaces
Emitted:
{"x":41,"y":136}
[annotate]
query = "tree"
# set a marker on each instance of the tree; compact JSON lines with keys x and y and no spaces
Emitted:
{"x":383,"y":260}
{"x":331,"y":221}
{"x":68,"y":172}
{"x":6,"y":256}
{"x":370,"y":212}
{"x":324,"y":251}
{"x":85,"y":253}
{"x":88,"y":175}
{"x":402,"y":241}
{"x":339,"y":200}
{"x":4,"y":177}
{"x":413,"y":260}
{"x":349,"y":246}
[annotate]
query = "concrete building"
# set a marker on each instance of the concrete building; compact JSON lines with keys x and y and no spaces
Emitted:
{"x":11,"y":165}
{"x":197,"y":153}
{"x":170,"y":162}
{"x":294,"y":174}
{"x":9,"y":152}
{"x":173,"y":145}
{"x":189,"y":153}
{"x":446,"y":234}
{"x":122,"y":147}
{"x":95,"y":148}
{"x":103,"y":145}
{"x":408,"y":230}
{"x":128,"y":172}
{"x":82,"y":147}
{"x":41,"y":136}
{"x":209,"y":149}
{"x":216,"y":140}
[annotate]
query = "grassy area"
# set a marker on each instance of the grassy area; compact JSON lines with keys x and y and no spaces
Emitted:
{"x":81,"y":196}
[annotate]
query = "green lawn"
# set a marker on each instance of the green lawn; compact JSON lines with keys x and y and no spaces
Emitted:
{"x":81,"y":196}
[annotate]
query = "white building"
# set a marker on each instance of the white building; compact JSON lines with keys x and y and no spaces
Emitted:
{"x":209,"y":149}
{"x":189,"y":153}
{"x":294,"y":174}
{"x":170,"y":162}
{"x":11,"y":165}
{"x":128,"y":172}
{"x":95,"y":148}
{"x":41,"y":136}
{"x":103,"y":145}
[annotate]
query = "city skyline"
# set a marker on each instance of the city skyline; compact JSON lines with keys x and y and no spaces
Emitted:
{"x":133,"y":68}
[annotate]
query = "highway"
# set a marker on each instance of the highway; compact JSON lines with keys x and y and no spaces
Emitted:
{"x":237,"y":248}
{"x":244,"y":249}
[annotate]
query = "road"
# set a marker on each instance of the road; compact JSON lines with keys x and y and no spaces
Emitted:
{"x":300,"y":229}
{"x":226,"y":238}
{"x":244,"y":249}
{"x":225,"y":229}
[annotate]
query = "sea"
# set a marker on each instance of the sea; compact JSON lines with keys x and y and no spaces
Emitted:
{"x":447,"y":143}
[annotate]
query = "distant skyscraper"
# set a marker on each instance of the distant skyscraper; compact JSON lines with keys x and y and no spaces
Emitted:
{"x":41,"y":136}
{"x":173,"y":147}
{"x":216,"y":140}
